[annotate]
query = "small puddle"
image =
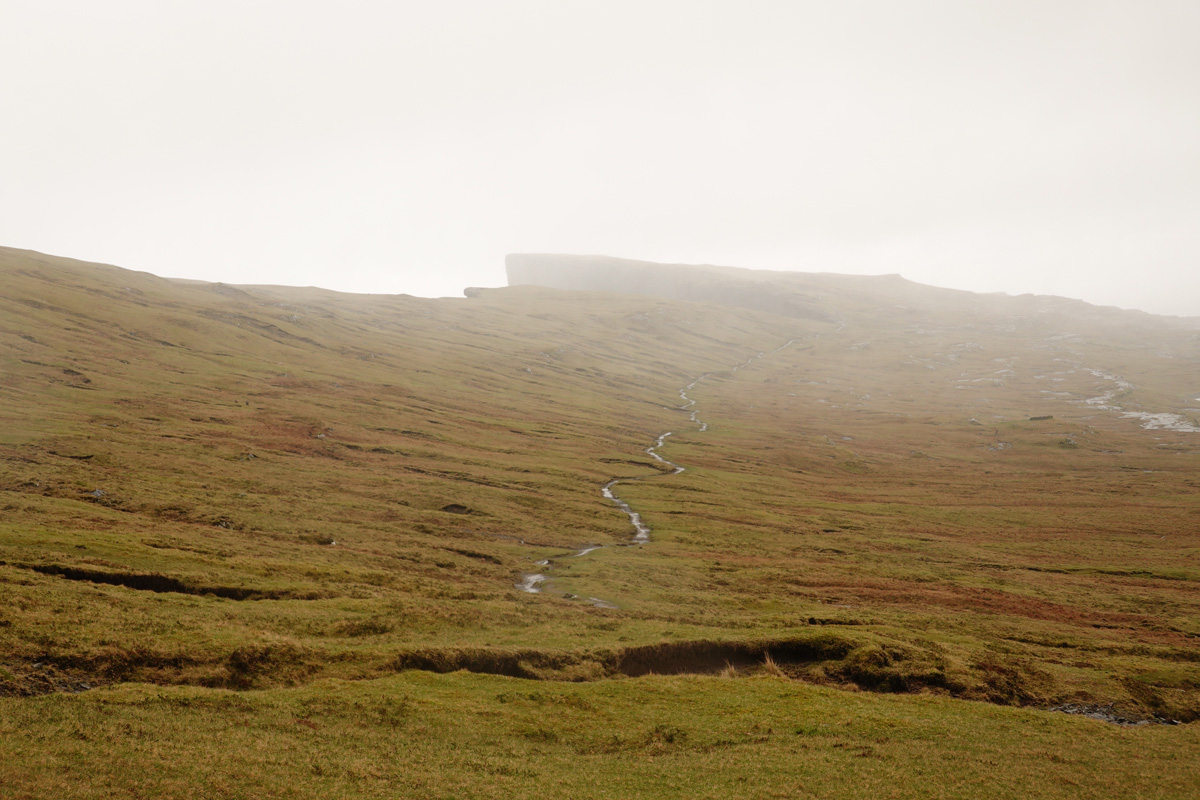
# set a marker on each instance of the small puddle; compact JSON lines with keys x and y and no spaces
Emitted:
{"x":1108,"y":713}
{"x":531,"y":583}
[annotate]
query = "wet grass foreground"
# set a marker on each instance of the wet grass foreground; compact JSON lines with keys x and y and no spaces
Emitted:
{"x":474,"y":736}
{"x":261,"y":540}
{"x":463,"y":735}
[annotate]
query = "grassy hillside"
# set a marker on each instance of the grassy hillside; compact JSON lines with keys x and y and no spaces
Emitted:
{"x":272,"y":503}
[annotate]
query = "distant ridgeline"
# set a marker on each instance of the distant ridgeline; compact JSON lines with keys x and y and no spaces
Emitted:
{"x":775,"y":292}
{"x":821,"y":296}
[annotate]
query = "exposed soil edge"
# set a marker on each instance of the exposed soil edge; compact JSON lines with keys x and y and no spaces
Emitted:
{"x":698,"y":657}
{"x":825,"y":659}
{"x":154,"y":582}
{"x":828,"y":659}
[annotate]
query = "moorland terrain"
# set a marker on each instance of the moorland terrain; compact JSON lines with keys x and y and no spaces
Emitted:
{"x":263,"y":541}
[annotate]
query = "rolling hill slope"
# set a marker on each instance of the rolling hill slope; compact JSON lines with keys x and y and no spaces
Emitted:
{"x":884,"y":486}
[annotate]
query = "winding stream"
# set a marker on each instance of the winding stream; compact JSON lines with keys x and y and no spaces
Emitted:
{"x":532,"y":582}
{"x":1150,"y":420}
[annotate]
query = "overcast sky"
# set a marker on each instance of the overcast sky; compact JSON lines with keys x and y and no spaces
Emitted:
{"x":1045,"y":146}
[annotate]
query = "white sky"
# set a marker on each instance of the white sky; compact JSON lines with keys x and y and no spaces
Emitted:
{"x":1046,"y":146}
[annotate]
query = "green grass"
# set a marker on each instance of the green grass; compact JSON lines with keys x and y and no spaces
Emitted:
{"x":478,"y":736}
{"x":374,"y":473}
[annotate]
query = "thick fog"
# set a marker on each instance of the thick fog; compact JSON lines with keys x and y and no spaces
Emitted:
{"x":1045,"y":146}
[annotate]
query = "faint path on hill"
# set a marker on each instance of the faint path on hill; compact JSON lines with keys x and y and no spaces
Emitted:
{"x":533,"y":582}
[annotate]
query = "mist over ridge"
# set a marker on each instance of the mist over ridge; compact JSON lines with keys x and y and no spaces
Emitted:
{"x":790,"y":293}
{"x":593,"y":522}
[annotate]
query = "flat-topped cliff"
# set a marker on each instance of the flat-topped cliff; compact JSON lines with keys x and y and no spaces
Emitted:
{"x":729,"y":286}
{"x":821,"y":296}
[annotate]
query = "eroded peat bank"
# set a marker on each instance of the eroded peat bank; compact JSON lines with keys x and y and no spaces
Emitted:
{"x":884,"y":550}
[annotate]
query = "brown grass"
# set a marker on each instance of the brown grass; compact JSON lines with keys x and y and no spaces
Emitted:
{"x":262,"y":487}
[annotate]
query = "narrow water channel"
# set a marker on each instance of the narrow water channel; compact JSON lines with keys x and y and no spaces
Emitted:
{"x":532,"y":582}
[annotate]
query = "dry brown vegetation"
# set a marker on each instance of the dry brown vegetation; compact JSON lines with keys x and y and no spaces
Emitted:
{"x":257,"y":487}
